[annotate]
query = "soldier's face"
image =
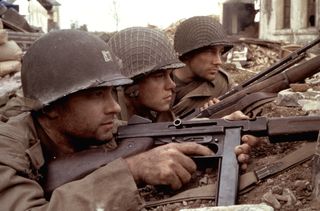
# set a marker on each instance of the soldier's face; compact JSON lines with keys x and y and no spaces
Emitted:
{"x":89,"y":115}
{"x":206,"y":63}
{"x":155,"y":91}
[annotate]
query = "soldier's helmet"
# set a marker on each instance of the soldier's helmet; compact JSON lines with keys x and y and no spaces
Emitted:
{"x":67,"y":61}
{"x":198,"y":32}
{"x":143,"y":50}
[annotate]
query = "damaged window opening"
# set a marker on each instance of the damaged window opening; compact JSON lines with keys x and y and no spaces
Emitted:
{"x":311,"y":13}
{"x":286,"y":14}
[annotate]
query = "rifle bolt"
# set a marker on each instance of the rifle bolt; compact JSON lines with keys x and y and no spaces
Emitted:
{"x":216,"y":140}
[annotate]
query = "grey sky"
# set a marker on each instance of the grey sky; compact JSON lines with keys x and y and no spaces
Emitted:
{"x":99,"y":15}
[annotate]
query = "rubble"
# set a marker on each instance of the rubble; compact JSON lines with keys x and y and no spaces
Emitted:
{"x":10,"y":67}
{"x":300,"y":96}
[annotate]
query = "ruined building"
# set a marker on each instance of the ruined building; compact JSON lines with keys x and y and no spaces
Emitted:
{"x":295,"y":21}
{"x":238,"y":18}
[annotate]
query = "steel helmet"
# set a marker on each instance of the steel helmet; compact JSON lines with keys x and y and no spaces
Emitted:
{"x":66,"y":61}
{"x":197,"y":32}
{"x":143,"y":50}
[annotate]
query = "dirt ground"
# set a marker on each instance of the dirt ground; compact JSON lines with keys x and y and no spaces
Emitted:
{"x":292,"y":187}
{"x":296,"y":181}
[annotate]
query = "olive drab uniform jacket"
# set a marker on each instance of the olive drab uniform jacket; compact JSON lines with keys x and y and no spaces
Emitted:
{"x":22,"y":156}
{"x":195,"y":94}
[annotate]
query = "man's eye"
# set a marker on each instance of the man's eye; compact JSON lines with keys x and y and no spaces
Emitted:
{"x":158,"y":75}
{"x":98,"y":93}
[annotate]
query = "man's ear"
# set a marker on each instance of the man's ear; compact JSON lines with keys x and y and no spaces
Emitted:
{"x":51,"y":111}
{"x":132,"y":91}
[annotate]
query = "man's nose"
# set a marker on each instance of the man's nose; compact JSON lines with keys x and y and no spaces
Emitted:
{"x":170,"y":84}
{"x":216,"y":59}
{"x":112,"y":106}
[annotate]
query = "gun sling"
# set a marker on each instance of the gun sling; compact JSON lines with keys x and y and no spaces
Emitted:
{"x":296,"y":157}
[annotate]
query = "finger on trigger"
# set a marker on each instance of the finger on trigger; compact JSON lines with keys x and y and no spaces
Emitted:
{"x":191,"y":148}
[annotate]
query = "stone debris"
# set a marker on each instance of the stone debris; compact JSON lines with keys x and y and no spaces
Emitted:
{"x":278,"y":200}
{"x":271,"y":199}
{"x":308,"y":100}
{"x":301,"y":185}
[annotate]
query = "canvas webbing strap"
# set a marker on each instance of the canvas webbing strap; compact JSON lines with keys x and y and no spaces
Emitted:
{"x":296,"y":157}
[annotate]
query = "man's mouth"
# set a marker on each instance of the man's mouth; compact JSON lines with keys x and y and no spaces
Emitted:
{"x":213,"y":70}
{"x":108,"y":124}
{"x":168,"y":97}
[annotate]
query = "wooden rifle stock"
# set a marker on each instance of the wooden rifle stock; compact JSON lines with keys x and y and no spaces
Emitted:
{"x":248,"y":95}
{"x":76,"y":166}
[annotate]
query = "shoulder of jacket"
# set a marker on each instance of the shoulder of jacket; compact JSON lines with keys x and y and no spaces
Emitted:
{"x":22,"y":125}
{"x":223,"y":78}
{"x":16,"y":142}
{"x":224,"y":75}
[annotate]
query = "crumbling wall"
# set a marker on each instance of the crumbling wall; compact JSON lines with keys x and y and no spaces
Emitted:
{"x":300,"y":31}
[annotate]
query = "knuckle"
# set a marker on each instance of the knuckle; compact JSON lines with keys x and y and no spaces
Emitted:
{"x":171,"y":164}
{"x":170,"y":153}
{"x":165,"y":175}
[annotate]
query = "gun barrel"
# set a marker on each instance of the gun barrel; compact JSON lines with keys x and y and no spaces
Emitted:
{"x":293,"y":128}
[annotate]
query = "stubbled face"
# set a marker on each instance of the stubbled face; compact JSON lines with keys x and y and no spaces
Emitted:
{"x":88,"y":115}
{"x":206,"y":64}
{"x":155,"y":91}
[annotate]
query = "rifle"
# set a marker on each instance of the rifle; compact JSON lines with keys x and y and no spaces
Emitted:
{"x":222,"y":136}
{"x":264,"y":85}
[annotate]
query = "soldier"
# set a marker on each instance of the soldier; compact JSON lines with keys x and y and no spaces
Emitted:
{"x":148,"y":58}
{"x":67,"y":78}
{"x":199,"y":41}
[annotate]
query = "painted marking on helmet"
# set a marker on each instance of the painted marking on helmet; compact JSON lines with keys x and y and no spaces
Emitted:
{"x":107,"y":56}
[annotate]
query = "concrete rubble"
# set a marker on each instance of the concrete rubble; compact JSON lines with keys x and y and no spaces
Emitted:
{"x":304,"y":95}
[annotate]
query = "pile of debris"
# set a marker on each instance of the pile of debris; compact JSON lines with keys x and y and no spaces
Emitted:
{"x":250,"y":56}
{"x":18,"y":28}
{"x":10,"y":66}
